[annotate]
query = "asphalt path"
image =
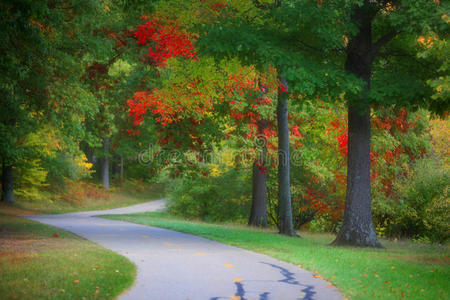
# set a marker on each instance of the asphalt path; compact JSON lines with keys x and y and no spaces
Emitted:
{"x":173,"y":265}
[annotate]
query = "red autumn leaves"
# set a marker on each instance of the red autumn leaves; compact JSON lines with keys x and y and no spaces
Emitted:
{"x":165,"y":41}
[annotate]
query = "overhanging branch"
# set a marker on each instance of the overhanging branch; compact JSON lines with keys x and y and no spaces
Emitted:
{"x":382,"y":41}
{"x":267,"y":6}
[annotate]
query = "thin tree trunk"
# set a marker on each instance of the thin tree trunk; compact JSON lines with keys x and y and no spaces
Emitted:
{"x":258,"y":215}
{"x":284,"y":192}
{"x":357,"y":227}
{"x":115,"y":169}
{"x":104,"y":172}
{"x":7,"y":184}
{"x":121,"y":168}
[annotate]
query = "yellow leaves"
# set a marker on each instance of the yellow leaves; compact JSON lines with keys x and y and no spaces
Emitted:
{"x":229,"y":266}
{"x":168,"y":244}
{"x":83,"y":163}
{"x":237,"y":279}
{"x":201,"y":253}
{"x":345,"y":38}
{"x":426,"y":41}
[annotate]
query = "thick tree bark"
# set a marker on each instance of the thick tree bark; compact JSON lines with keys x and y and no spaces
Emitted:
{"x":357,"y":227}
{"x":104,"y":166}
{"x":284,"y":192}
{"x":7,"y":184}
{"x":258,"y":214}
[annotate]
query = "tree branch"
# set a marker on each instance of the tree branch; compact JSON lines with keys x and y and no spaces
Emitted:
{"x":267,"y":6}
{"x":382,"y":41}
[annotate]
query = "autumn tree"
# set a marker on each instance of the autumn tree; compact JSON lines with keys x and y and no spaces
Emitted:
{"x":352,"y":56}
{"x":40,"y":50}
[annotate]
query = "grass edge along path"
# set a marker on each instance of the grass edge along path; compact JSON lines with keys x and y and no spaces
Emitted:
{"x":130,"y":193}
{"x":39,"y":261}
{"x":404,"y":270}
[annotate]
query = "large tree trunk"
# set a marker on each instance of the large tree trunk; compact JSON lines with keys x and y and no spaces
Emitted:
{"x":284,"y":192}
{"x":104,"y":166}
{"x":7,"y":184}
{"x":357,"y":227}
{"x":258,"y":215}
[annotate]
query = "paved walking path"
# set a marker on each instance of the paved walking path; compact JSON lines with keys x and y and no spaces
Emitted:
{"x":173,"y":265}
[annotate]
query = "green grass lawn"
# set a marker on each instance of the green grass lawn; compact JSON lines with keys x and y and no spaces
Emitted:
{"x":129,"y":193}
{"x":41,"y":262}
{"x":404,"y":270}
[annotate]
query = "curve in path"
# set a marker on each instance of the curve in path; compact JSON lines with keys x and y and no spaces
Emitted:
{"x":173,"y":265}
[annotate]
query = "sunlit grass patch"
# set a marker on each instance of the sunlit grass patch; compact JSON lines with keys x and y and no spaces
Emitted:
{"x":41,"y":262}
{"x":129,"y":193}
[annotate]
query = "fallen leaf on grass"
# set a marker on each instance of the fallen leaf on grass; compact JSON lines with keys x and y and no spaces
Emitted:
{"x":56,"y":235}
{"x":76,"y":281}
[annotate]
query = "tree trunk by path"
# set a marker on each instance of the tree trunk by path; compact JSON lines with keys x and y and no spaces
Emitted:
{"x":258,"y":214}
{"x":284,"y":193}
{"x":7,"y":184}
{"x":121,"y":168}
{"x":357,"y":227}
{"x":115,"y":166}
{"x":104,"y":166}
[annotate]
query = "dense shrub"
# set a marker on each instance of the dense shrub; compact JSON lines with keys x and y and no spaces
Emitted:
{"x":221,"y":198}
{"x":419,"y":206}
{"x":63,"y":166}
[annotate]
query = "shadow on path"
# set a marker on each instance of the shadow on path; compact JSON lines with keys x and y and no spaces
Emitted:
{"x":290,"y":279}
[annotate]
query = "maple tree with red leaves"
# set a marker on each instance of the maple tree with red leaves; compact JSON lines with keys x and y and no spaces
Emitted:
{"x":164,"y":41}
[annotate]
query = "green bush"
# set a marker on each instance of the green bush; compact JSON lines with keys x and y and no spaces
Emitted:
{"x":420,"y":207}
{"x":226,"y":197}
